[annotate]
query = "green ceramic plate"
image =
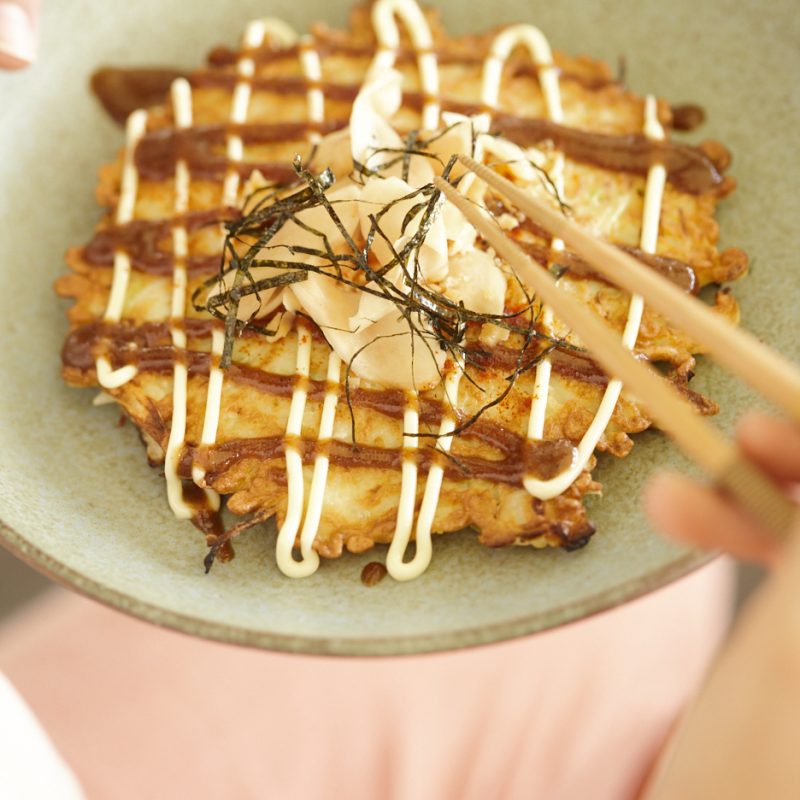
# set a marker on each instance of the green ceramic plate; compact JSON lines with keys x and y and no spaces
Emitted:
{"x":76,"y":496}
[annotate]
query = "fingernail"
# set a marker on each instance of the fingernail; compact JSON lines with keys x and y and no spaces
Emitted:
{"x":17,"y":42}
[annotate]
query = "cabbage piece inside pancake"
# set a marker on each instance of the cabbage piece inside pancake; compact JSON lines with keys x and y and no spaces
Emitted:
{"x":482,"y":485}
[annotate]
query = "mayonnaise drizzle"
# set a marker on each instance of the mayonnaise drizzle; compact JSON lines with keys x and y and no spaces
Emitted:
{"x":533,"y":39}
{"x":407,"y":570}
{"x":182,"y":112}
{"x":287,"y":535}
{"x":388,"y":36}
{"x":135,"y":127}
{"x":182,"y":109}
{"x":312,"y":71}
{"x":654,"y":191}
{"x":538,"y":46}
{"x":319,"y":477}
{"x":294,"y":470}
{"x":245,"y":68}
{"x":408,"y":492}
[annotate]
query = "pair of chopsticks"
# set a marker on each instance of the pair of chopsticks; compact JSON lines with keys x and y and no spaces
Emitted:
{"x":763,"y":368}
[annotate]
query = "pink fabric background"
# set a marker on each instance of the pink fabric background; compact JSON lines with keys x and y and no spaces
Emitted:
{"x":579,"y":712}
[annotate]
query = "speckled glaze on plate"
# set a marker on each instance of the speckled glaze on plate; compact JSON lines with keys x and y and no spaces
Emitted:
{"x":77,"y":499}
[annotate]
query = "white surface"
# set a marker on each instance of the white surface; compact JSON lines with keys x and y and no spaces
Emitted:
{"x":30,"y":766}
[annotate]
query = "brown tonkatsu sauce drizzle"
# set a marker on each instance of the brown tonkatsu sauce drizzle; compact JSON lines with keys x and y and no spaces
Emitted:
{"x":544,"y":459}
{"x":687,"y":117}
{"x":202,"y":147}
{"x":207,"y":520}
{"x":688,"y":169}
{"x":540,"y":457}
{"x":373,"y":573}
{"x":474,"y":55}
{"x":678,"y":272}
{"x":122,"y":91}
{"x":141,"y":240}
{"x":147,"y":346}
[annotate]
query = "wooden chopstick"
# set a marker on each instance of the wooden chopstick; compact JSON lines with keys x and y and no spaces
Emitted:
{"x":764,"y":369}
{"x":700,"y":440}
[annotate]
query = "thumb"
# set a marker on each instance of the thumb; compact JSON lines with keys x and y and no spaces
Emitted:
{"x":19,"y":20}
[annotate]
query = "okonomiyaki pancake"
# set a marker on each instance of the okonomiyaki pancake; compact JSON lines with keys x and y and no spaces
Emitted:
{"x":296,"y":322}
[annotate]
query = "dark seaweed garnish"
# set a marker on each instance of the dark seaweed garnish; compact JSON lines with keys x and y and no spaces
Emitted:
{"x":433,"y":320}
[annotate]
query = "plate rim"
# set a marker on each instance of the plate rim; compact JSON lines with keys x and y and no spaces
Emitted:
{"x":339,"y":646}
{"x":47,"y":559}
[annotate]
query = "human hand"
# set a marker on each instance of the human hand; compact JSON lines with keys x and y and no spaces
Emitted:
{"x":739,"y":739}
{"x":19,"y":21}
{"x":701,"y":516}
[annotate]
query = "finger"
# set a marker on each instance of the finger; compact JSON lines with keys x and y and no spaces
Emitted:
{"x":702,"y":517}
{"x":771,"y":443}
{"x":18,"y":32}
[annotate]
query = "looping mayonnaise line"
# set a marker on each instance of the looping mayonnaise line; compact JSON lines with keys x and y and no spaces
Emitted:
{"x":312,"y":70}
{"x":319,"y":477}
{"x":534,"y":40}
{"x":254,"y":36}
{"x":654,"y":190}
{"x":135,"y":128}
{"x":283,"y":35}
{"x":408,"y":489}
{"x":309,"y":563}
{"x":245,"y":69}
{"x":538,"y":46}
{"x":294,"y":470}
{"x":182,"y":111}
{"x":407,"y":570}
{"x":388,"y":36}
{"x":280,"y":33}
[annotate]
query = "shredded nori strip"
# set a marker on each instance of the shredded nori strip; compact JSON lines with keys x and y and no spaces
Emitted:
{"x":433,"y":320}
